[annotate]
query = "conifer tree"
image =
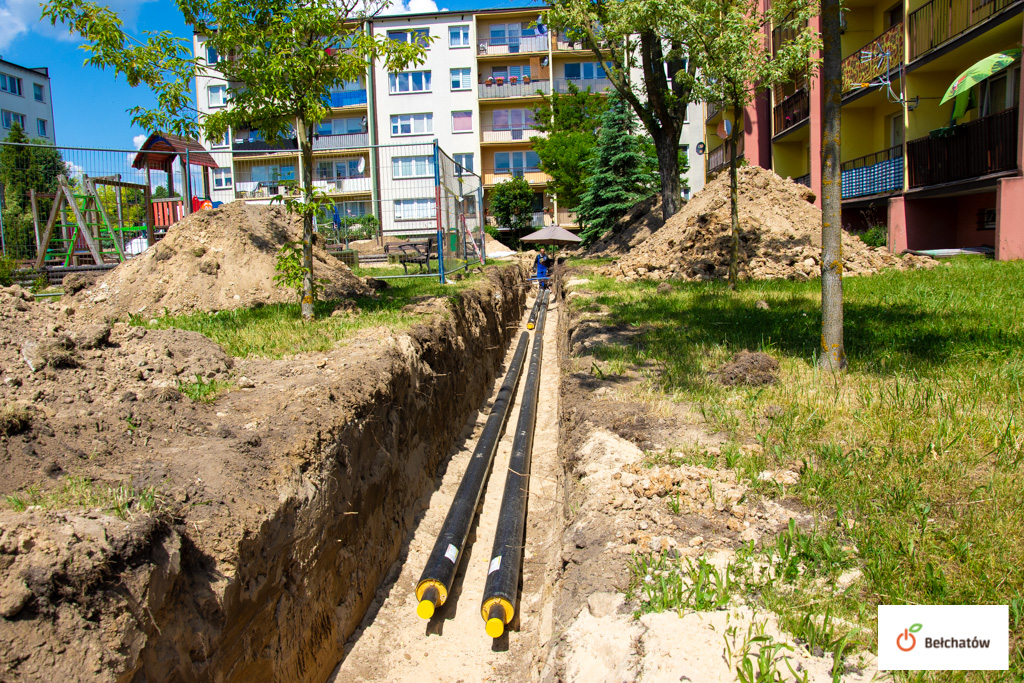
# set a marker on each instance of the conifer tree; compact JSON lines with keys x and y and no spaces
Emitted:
{"x":619,"y":174}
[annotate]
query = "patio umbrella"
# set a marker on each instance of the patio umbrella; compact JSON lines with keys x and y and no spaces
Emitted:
{"x":992,"y":64}
{"x":552,"y":235}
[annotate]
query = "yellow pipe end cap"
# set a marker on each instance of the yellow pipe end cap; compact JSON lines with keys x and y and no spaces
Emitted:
{"x":425,"y":609}
{"x":529,"y":326}
{"x":495,"y":627}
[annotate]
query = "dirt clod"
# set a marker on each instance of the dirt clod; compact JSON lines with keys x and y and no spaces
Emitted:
{"x":748,"y":368}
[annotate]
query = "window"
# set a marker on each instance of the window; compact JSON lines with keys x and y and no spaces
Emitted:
{"x":896,"y":130}
{"x":412,"y":167}
{"x":686,"y":194}
{"x":420,"y":36}
{"x":349,"y":168}
{"x":414,"y":209}
{"x":37,"y":92}
{"x":462,"y":122}
{"x":412,"y":124}
{"x":575,"y":71}
{"x":458,"y":36}
{"x":211,"y":55}
{"x":221,"y":178}
{"x":218,"y":95}
{"x":224,"y":141}
{"x":10,"y":84}
{"x":41,"y":128}
{"x":10,"y":118}
{"x":516,"y":163}
{"x":411,"y":81}
{"x":998,"y":92}
{"x":272,"y":174}
{"x":686,"y":150}
{"x":461,"y":79}
{"x":894,"y":14}
{"x":465,"y":162}
{"x":512,"y":119}
{"x":345,"y":126}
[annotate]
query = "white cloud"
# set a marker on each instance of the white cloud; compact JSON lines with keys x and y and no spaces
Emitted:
{"x":412,"y":7}
{"x":19,"y":17}
{"x":139,"y":139}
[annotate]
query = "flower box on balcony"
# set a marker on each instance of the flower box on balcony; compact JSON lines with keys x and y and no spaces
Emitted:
{"x":513,"y":80}
{"x":489,"y":81}
{"x":500,"y":81}
{"x":526,"y":80}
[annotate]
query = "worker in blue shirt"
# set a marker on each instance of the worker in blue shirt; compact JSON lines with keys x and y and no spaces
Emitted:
{"x":542,"y":264}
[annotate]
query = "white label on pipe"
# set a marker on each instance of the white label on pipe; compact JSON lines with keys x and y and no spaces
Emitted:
{"x":451,"y":553}
{"x":495,"y":565}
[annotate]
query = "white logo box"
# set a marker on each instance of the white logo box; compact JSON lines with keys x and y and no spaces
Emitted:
{"x":943,"y":637}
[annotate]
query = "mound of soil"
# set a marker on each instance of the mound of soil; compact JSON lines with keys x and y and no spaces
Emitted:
{"x":218,"y":259}
{"x":780,"y":237}
{"x":637,"y":225}
{"x":493,"y":246}
{"x":748,"y":368}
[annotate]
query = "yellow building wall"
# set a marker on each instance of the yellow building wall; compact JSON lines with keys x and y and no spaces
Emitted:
{"x":791,"y":159}
{"x":928,"y":115}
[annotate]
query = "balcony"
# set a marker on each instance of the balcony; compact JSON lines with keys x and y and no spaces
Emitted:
{"x":567,"y":217}
{"x":512,"y":45}
{"x":873,"y":174}
{"x":714,"y":109}
{"x":519,"y":89}
{"x":343,"y":185}
{"x":972,"y":150}
{"x":508,"y":133}
{"x":265,"y":190}
{"x":718,"y":158}
{"x":804,"y":180}
{"x":792,"y":111}
{"x":346,"y":98}
{"x":857,"y":70}
{"x":941,"y":21}
{"x":324,"y":143}
{"x":534,"y":176}
{"x":595,"y":84}
{"x":536,"y":219}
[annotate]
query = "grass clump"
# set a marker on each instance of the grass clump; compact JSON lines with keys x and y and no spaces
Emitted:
{"x":661,"y":583}
{"x":14,"y":419}
{"x":203,"y":391}
{"x":123,"y":499}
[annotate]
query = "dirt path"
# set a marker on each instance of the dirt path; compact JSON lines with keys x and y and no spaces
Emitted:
{"x":393,"y":644}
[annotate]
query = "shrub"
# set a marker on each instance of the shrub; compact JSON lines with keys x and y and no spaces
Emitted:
{"x":875,"y":236}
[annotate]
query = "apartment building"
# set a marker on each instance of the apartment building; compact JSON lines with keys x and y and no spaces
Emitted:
{"x":483,"y":73}
{"x":937,"y":175}
{"x":25,"y":98}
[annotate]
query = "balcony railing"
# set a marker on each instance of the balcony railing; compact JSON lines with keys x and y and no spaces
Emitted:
{"x":940,"y":21}
{"x":971,"y":150}
{"x":714,"y":108}
{"x":518,"y":89}
{"x":343,"y":185}
{"x":511,"y":45}
{"x":870,"y":61}
{"x":718,"y":158}
{"x":534,"y":176}
{"x":873,"y":173}
{"x":346,"y":98}
{"x":258,"y":190}
{"x":508,"y":133}
{"x":804,"y":180}
{"x":347,"y":141}
{"x":595,"y":84}
{"x":792,"y":111}
{"x":785,"y":34}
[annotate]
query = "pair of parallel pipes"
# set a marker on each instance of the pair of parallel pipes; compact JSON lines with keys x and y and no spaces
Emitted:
{"x":502,"y":586}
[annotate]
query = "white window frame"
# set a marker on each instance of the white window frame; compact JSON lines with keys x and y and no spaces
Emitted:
{"x":409,"y":33}
{"x":223,"y":142}
{"x":412,"y":206}
{"x":465,"y":76}
{"x":395,"y":81}
{"x":461,"y":159}
{"x":397,"y":120}
{"x":216,"y":56}
{"x":38,"y":87}
{"x":209,"y":96}
{"x":463,"y":39}
{"x":5,"y":85}
{"x":419,"y":166}
{"x":42,"y":128}
{"x":219,"y":175}
{"x":467,"y":111}
{"x":9,"y":117}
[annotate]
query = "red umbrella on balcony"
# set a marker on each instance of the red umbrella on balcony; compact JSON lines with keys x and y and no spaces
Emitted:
{"x":981,"y":70}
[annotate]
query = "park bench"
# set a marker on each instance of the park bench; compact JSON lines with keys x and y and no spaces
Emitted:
{"x":419,"y":253}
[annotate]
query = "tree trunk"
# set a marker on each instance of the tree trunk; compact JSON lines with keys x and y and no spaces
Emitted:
{"x":667,"y":149}
{"x":833,"y":355}
{"x":734,"y":204}
{"x":306,"y":142}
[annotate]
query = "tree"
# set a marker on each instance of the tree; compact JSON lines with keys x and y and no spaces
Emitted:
{"x":643,"y":34}
{"x":24,"y":168}
{"x":281,"y":57}
{"x":736,"y":60}
{"x":510,"y":203}
{"x":571,"y":121}
{"x":618,"y":174}
{"x":833,"y":352}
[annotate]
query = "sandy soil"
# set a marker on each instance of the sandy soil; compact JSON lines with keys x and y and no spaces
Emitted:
{"x":393,"y":644}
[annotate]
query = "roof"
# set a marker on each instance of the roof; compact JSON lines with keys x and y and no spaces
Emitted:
{"x":163,"y":143}
{"x":41,"y":70}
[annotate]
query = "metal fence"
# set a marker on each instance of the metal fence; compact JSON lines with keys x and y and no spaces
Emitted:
{"x":419,"y":206}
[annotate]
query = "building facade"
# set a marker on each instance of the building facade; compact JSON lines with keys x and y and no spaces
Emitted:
{"x":936,"y":175}
{"x":482,"y":75}
{"x":26,"y":99}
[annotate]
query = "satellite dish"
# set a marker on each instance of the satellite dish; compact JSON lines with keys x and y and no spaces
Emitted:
{"x":724,"y":129}
{"x":362,"y":164}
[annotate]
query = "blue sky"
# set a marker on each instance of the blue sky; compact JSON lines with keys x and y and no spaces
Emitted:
{"x":89,"y":104}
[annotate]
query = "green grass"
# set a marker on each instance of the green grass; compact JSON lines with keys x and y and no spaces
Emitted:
{"x":277,"y":330}
{"x":916,"y":452}
{"x":123,"y":500}
{"x":203,"y":391}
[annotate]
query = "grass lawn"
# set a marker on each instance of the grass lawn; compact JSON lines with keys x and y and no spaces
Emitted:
{"x":912,"y":460}
{"x":277,"y":330}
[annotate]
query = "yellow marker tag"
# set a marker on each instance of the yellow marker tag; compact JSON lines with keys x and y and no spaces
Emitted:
{"x":425,"y":609}
{"x":495,"y":627}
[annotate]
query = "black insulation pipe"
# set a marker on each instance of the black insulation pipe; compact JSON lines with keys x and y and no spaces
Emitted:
{"x":502,"y":586}
{"x":439,"y":573}
{"x":532,"y":320}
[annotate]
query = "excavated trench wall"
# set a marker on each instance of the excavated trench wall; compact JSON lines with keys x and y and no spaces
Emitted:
{"x":306,"y":577}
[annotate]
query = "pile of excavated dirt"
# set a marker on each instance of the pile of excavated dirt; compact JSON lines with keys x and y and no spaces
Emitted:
{"x":493,"y":246}
{"x":780,"y":237}
{"x":218,"y":259}
{"x":637,"y":225}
